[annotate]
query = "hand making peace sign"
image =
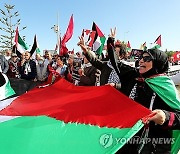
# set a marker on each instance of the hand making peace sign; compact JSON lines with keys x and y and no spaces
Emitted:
{"x":113,"y":32}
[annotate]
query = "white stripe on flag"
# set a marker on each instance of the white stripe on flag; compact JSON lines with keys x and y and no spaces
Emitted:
{"x":20,"y":48}
{"x":6,"y":118}
{"x":97,"y":44}
{"x":4,"y":104}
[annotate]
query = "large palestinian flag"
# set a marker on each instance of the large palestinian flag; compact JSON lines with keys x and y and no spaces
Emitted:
{"x":64,"y":118}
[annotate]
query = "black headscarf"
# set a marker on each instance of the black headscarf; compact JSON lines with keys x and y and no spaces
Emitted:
{"x":160,"y":62}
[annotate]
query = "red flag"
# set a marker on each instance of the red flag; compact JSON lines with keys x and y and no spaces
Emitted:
{"x":176,"y":56}
{"x":64,"y":50}
{"x":158,"y":40}
{"x":67,"y":36}
{"x":69,"y":31}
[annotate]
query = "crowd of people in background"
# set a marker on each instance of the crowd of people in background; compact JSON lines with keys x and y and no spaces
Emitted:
{"x":50,"y":67}
{"x":89,"y":69}
{"x":74,"y":67}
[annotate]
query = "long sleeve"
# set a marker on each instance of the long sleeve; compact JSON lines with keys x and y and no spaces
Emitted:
{"x":6,"y":65}
{"x":89,"y":78}
{"x":172,"y":119}
{"x":32,"y":74}
{"x":94,"y":61}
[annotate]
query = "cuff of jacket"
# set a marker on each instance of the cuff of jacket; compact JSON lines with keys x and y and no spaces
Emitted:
{"x":170,"y":117}
{"x":118,"y":86}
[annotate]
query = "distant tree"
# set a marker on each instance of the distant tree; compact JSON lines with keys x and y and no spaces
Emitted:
{"x":169,"y":53}
{"x":9,"y":22}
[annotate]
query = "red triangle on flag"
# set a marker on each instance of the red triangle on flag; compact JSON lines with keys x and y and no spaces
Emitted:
{"x":128,"y":45}
{"x":158,"y":40}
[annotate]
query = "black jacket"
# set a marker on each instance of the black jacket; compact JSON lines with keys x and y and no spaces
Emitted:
{"x":30,"y":75}
{"x":89,"y":77}
{"x":101,"y":65}
{"x":143,"y":95}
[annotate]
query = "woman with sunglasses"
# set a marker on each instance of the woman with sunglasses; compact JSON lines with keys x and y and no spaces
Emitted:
{"x":149,"y":86}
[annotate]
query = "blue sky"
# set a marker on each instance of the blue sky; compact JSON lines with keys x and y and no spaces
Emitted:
{"x":137,"y":21}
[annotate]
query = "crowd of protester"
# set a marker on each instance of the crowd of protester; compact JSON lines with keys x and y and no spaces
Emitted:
{"x":89,"y":69}
{"x":50,"y":67}
{"x":94,"y":70}
{"x":146,"y":84}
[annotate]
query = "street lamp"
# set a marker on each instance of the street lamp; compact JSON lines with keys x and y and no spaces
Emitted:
{"x":56,"y":30}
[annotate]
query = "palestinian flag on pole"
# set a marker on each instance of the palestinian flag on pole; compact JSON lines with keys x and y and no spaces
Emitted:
{"x":99,"y":40}
{"x":35,"y":48}
{"x":64,"y":118}
{"x":157,"y":43}
{"x":143,"y":46}
{"x":20,"y":46}
{"x":165,"y":88}
{"x":128,"y":46}
{"x":5,"y":87}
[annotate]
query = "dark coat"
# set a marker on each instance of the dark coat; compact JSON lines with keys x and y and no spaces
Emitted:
{"x":101,"y":65}
{"x":31,"y":75}
{"x":89,"y":77}
{"x":143,"y":95}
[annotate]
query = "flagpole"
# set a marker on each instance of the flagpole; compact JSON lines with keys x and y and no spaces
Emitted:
{"x":57,"y":31}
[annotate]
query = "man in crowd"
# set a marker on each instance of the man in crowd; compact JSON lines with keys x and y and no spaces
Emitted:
{"x":3,"y":64}
{"x":14,"y":63}
{"x":8,"y":54}
{"x":28,"y":68}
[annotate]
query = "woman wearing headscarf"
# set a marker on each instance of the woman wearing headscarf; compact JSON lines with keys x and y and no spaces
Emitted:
{"x":149,"y":86}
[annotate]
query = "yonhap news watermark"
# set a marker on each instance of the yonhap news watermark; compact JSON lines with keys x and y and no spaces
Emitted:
{"x":138,"y":140}
{"x":106,"y":140}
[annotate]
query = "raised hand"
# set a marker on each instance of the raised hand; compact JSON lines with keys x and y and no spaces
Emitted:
{"x":82,"y":44}
{"x":113,"y":32}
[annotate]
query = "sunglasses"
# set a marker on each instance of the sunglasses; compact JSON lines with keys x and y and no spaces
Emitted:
{"x":146,"y":58}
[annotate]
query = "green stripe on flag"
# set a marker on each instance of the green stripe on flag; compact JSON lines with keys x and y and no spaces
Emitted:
{"x":22,"y":43}
{"x":44,"y":135}
{"x":38,"y":51}
{"x":100,"y":49}
{"x":8,"y":90}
